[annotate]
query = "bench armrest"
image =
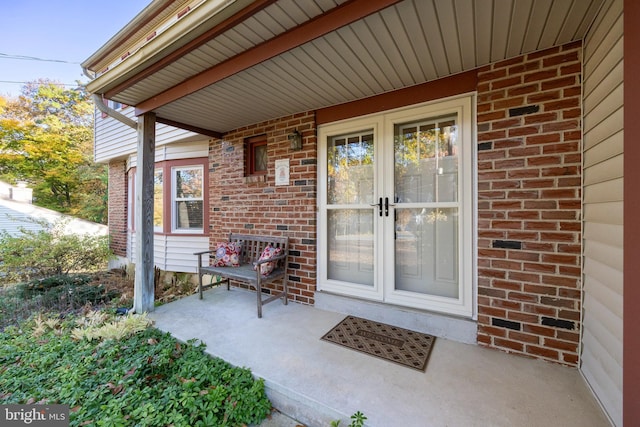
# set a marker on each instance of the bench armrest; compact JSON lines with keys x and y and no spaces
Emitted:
{"x":203,"y":252}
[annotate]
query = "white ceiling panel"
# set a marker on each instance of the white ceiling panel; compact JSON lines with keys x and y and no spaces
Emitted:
{"x":409,"y":43}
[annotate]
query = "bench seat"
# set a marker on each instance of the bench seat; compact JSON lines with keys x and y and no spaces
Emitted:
{"x":252,"y":247}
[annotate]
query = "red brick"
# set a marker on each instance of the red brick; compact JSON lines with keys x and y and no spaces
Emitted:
{"x":494,"y":115}
{"x":492,"y":74}
{"x":523,"y":90}
{"x":542,"y":352}
{"x":544,"y":331}
{"x":541,"y":290}
{"x":569,"y":282}
{"x":543,"y":96}
{"x":536,"y":203}
{"x":513,"y":345}
{"x":560,"y":59}
{"x":517,"y":316}
{"x":504,"y":83}
{"x":570,"y":359}
{"x":526,"y":338}
{"x":540,"y":75}
{"x":562,"y":104}
{"x":524,"y":277}
{"x":523,"y":131}
{"x":508,"y":123}
{"x":508,"y":103}
{"x":527,"y":66}
{"x":561,"y":345}
{"x":540,"y":118}
{"x":543,"y":139}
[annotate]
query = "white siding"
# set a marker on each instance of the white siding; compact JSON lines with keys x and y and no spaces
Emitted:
{"x":184,"y":150}
{"x":601,"y":361}
{"x":173,"y":253}
{"x":17,"y":216}
{"x":114,"y":139}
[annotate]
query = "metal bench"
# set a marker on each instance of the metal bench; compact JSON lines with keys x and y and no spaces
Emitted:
{"x":252,"y":247}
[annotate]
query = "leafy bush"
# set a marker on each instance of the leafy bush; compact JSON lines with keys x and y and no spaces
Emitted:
{"x":65,"y":291}
{"x":61,"y":294}
{"x":52,"y":250}
{"x":143,"y":379}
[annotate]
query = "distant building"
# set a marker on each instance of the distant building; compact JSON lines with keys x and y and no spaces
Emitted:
{"x":17,"y":213}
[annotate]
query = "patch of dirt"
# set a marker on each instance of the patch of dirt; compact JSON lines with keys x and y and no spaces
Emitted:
{"x":166,"y":289}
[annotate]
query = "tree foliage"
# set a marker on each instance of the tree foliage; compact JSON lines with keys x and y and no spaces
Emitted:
{"x":46,"y":140}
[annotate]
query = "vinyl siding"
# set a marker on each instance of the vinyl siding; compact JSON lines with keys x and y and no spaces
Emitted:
{"x":173,"y":253}
{"x":114,"y":139}
{"x":601,"y":361}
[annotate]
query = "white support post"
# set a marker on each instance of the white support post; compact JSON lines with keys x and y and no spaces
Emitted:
{"x":143,"y":294}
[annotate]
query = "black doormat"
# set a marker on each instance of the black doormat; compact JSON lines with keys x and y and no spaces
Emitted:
{"x":398,"y":345}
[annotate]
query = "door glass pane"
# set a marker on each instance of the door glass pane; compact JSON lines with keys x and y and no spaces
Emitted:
{"x":427,"y":251}
{"x":350,"y":245}
{"x":350,"y":169}
{"x":426,"y":161}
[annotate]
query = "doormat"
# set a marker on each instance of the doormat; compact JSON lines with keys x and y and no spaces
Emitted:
{"x":398,"y":345}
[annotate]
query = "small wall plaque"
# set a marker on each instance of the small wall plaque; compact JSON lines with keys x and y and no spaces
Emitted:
{"x":282,"y":172}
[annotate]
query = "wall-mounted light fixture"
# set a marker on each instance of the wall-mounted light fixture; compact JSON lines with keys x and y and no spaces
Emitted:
{"x":295,"y":139}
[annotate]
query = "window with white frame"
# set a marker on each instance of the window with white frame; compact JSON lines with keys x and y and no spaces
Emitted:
{"x":188,"y":198}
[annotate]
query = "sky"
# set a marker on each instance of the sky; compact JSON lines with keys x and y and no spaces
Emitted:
{"x":59,"y":35}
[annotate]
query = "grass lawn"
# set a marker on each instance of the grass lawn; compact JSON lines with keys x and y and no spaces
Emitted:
{"x":119,"y":371}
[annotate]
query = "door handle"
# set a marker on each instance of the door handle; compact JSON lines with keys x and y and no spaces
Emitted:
{"x":379,"y":205}
{"x":386,"y":206}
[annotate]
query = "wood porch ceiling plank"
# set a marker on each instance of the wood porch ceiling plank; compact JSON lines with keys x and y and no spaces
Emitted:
{"x":319,"y":26}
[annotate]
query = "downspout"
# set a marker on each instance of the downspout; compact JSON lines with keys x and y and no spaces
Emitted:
{"x":100,"y":105}
{"x":97,"y":99}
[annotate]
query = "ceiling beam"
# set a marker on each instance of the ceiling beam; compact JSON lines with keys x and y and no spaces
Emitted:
{"x":319,"y":26}
{"x":214,"y":32}
{"x":180,"y":125}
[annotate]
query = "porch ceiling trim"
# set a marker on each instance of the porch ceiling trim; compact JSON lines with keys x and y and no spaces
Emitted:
{"x":227,"y":24}
{"x":196,"y":129}
{"x":436,"y":89}
{"x":342,"y":15}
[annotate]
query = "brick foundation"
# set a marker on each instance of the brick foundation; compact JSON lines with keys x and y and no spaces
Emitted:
{"x":257,"y":206}
{"x":117,"y":213}
{"x":529,"y":204}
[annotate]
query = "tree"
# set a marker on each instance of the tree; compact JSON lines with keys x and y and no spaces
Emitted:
{"x":46,"y":139}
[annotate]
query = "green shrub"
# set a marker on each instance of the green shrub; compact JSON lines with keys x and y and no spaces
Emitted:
{"x":146,"y":378}
{"x":53,"y":250}
{"x":65,"y":291}
{"x":61,"y":294}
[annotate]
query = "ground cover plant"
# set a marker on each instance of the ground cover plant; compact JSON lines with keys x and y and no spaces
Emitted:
{"x":118,"y":371}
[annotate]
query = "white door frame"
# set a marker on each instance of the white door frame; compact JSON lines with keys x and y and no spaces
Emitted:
{"x":382,"y":125}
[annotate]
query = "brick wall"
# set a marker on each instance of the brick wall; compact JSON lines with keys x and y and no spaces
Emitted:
{"x":117,"y":214}
{"x":257,"y":206}
{"x":529,"y":204}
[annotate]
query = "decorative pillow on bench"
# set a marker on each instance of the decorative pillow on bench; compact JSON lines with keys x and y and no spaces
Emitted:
{"x":268,"y":253}
{"x":227,"y":254}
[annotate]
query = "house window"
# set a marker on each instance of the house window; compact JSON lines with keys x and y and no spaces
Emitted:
{"x":188,"y":199}
{"x":158,"y":200}
{"x":256,"y":155}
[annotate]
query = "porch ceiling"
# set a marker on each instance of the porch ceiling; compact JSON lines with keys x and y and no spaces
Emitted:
{"x":270,"y":58}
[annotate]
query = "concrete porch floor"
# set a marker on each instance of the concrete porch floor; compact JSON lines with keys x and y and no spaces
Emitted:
{"x":315,"y":382}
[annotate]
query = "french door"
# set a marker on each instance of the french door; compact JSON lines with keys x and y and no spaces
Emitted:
{"x":395,"y":207}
